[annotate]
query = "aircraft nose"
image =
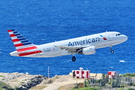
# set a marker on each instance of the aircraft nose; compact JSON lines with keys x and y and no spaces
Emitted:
{"x":124,"y":38}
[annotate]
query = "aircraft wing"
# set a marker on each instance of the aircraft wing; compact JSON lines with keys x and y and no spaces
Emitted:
{"x":71,"y":49}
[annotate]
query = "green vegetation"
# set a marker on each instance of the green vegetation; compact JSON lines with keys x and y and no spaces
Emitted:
{"x":22,"y":82}
{"x":133,"y":84}
{"x":122,"y":82}
{"x":86,"y":88}
{"x":1,"y":76}
{"x":129,"y":75}
{"x":121,"y":89}
{"x":130,"y":89}
{"x":4,"y":86}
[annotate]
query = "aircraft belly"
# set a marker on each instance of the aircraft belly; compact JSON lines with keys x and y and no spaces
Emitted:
{"x":102,"y":45}
{"x":63,"y":52}
{"x":55,"y":53}
{"x":107,"y":44}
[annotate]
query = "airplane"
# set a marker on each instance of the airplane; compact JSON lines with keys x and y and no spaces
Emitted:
{"x":86,"y":45}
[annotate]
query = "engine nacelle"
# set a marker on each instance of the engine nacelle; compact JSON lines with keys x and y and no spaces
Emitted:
{"x":89,"y":50}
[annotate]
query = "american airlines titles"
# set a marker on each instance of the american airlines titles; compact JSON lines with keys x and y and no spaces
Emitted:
{"x":75,"y":43}
{"x":83,"y":42}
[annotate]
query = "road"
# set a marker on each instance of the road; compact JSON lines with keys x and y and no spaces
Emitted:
{"x":62,"y":81}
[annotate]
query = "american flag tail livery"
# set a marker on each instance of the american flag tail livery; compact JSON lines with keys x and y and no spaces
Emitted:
{"x":23,"y":47}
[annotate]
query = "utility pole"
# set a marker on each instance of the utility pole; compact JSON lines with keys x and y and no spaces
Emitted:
{"x":48,"y":71}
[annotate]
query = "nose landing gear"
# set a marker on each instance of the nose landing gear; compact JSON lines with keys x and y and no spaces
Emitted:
{"x":112,"y":51}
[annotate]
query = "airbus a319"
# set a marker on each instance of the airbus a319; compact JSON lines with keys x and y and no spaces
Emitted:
{"x":86,"y":45}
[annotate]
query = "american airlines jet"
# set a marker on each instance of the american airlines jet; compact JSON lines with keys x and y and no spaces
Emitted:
{"x":86,"y":45}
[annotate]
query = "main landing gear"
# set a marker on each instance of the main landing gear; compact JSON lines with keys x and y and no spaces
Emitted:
{"x":112,"y":51}
{"x":73,"y":58}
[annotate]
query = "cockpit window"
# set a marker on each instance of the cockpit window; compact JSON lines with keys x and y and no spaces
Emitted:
{"x":118,"y":34}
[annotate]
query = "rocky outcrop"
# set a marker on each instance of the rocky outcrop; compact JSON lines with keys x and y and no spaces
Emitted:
{"x":21,"y":81}
{"x":32,"y":82}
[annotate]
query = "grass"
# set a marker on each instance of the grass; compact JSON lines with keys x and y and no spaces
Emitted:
{"x":1,"y":76}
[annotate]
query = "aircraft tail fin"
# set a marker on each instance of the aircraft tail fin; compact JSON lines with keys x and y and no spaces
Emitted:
{"x":20,"y":42}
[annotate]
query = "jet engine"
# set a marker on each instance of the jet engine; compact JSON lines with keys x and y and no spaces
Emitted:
{"x":88,"y":51}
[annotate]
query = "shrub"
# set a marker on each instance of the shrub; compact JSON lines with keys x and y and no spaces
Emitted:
{"x":130,"y":89}
{"x":133,"y":84}
{"x":129,"y":74}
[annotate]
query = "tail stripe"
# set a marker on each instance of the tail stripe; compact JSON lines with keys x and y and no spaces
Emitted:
{"x":15,"y":31}
{"x":28,"y":48}
{"x":20,"y":37}
{"x":12,"y":35}
{"x":21,"y":47}
{"x":15,"y":40}
{"x":17,"y":34}
{"x":18,"y":45}
{"x":10,"y":30}
{"x":27,"y":43}
{"x":29,"y":53}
